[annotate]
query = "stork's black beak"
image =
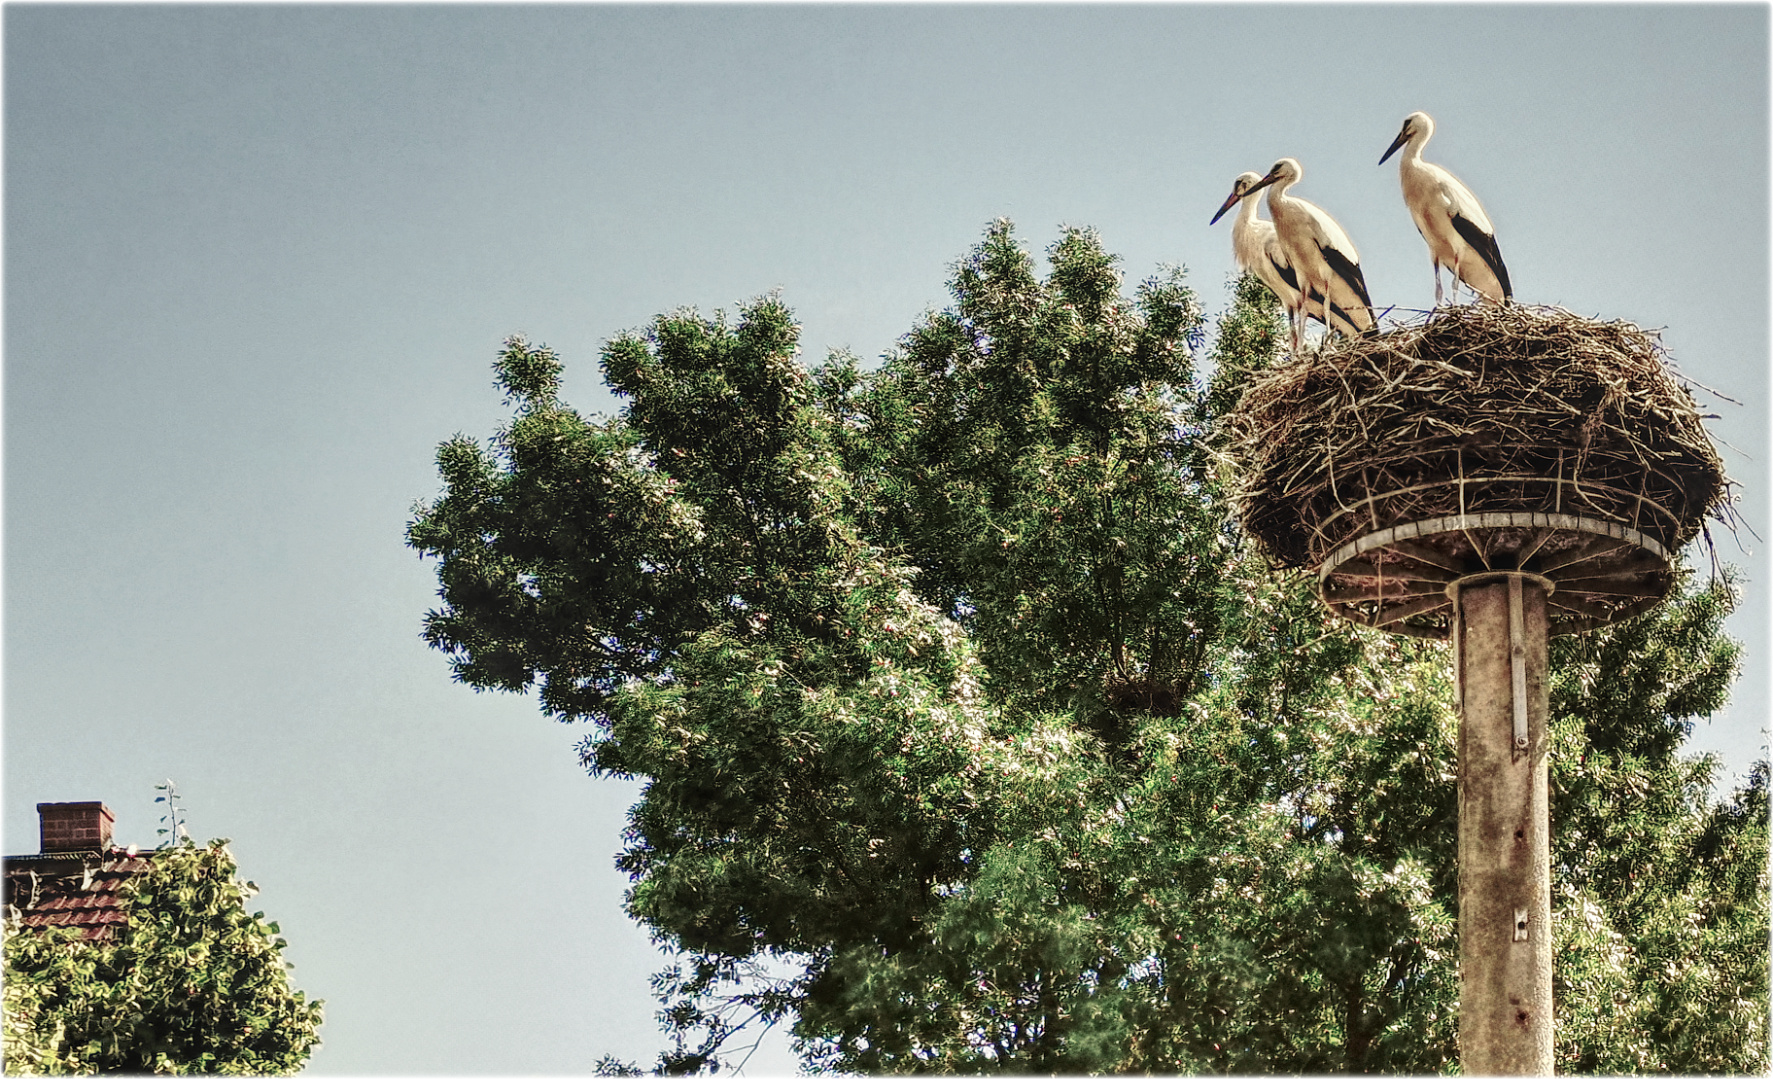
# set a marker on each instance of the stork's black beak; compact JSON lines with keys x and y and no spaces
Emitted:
{"x":1402,"y":137}
{"x":1230,"y":201}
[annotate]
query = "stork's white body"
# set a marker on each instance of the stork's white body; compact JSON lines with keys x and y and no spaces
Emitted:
{"x":1258,"y":251}
{"x":1321,"y":254}
{"x":1449,"y":217}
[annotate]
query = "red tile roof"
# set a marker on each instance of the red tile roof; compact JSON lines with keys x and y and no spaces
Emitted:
{"x":77,"y":889}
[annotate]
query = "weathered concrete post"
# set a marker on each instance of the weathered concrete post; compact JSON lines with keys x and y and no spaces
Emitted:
{"x":1505,"y":1018}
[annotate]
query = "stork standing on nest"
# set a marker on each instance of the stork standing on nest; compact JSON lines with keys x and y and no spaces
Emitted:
{"x":1258,"y":251}
{"x":1459,"y":234}
{"x":1320,"y":253}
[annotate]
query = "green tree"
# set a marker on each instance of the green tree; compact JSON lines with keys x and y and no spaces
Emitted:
{"x":1660,"y":905}
{"x":974,"y":739}
{"x":192,"y":984}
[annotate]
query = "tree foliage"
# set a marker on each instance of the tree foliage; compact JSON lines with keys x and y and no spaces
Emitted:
{"x":973,"y":739}
{"x":192,"y":984}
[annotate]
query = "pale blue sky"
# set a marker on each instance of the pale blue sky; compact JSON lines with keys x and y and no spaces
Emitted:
{"x":259,"y":259}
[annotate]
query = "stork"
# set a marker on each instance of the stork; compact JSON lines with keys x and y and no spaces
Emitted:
{"x":1318,"y":250}
{"x":1258,"y":251}
{"x":1459,"y":234}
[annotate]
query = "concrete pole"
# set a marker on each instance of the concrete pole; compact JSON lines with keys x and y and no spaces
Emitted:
{"x":1505,"y":1017}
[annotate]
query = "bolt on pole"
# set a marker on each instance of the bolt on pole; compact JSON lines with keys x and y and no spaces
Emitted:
{"x":1499,"y":640}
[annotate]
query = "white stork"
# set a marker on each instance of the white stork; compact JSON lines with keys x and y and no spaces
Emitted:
{"x":1258,"y":250}
{"x":1459,"y":234}
{"x":1318,"y":250}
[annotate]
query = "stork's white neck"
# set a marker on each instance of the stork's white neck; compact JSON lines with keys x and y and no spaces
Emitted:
{"x":1246,"y":212}
{"x":1278,"y":191}
{"x":1418,"y":139}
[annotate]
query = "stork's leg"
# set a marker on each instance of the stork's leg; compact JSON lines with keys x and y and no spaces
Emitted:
{"x":1436,"y":263}
{"x":1329,"y":320}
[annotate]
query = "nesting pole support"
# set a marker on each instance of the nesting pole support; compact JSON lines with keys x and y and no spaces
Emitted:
{"x":1505,"y":1012}
{"x":1495,"y":475}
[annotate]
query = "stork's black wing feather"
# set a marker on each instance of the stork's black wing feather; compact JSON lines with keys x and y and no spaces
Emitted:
{"x":1353,"y":326}
{"x":1350,"y":273}
{"x":1291,"y":278}
{"x":1485,"y":245}
{"x":1286,"y":272}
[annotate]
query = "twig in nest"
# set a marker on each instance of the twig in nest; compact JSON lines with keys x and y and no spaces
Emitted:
{"x":1514,"y":389}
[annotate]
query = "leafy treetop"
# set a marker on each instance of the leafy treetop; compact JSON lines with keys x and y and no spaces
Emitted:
{"x":974,"y":739}
{"x":192,"y":984}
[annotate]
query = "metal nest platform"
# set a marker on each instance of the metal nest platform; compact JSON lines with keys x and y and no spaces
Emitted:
{"x":1402,"y":578}
{"x":1479,"y":442}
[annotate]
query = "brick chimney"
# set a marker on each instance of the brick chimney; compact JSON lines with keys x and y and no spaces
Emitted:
{"x":71,"y":826}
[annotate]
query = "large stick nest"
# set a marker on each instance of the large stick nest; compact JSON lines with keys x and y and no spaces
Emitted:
{"x":1475,"y":408}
